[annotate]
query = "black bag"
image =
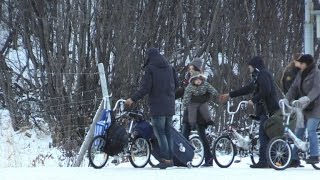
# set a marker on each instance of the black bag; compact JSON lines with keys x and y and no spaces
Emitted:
{"x":116,"y":139}
{"x":143,"y":129}
{"x":273,"y":127}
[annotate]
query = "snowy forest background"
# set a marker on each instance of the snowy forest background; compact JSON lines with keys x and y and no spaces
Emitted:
{"x":49,"y":51}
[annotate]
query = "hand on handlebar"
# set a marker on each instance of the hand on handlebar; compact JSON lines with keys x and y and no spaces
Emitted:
{"x":223,"y":98}
{"x":129,"y":102}
{"x":285,"y":101}
{"x":250,"y":102}
{"x":302,"y":102}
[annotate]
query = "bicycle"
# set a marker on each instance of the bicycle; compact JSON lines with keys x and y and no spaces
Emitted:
{"x":138,"y":149}
{"x":234,"y":140}
{"x":279,"y":150}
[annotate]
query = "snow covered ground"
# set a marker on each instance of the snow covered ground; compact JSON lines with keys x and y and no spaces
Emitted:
{"x":28,"y":154}
{"x":126,"y":171}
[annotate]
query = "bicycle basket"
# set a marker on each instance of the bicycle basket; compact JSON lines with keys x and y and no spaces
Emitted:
{"x":103,"y":124}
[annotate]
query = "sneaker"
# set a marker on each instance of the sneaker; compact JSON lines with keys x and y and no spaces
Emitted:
{"x":259,"y":165}
{"x":312,"y":160}
{"x":295,"y":163}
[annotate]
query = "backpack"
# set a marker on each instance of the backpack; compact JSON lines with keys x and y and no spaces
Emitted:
{"x":116,"y":139}
{"x":273,"y":127}
{"x":143,"y":129}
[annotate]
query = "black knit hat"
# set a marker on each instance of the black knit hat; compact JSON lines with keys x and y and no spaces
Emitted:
{"x":256,"y":62}
{"x":306,"y":58}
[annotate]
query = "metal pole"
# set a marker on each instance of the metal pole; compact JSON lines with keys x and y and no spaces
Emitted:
{"x":308,"y":29}
{"x":89,"y":136}
{"x":105,"y":104}
{"x":104,"y":86}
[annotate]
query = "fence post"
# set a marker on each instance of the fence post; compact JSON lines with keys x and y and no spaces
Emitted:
{"x":105,"y":104}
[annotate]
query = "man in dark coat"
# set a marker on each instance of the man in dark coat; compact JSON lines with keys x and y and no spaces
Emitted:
{"x":264,"y":99}
{"x":159,"y":82}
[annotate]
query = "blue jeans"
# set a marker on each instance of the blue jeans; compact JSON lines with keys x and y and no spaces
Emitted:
{"x":311,"y":125}
{"x":161,"y":128}
{"x":264,"y":140}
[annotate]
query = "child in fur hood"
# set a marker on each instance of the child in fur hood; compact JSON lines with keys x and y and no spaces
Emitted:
{"x":198,"y":87}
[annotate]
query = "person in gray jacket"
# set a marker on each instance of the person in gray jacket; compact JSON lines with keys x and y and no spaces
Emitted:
{"x":306,"y":88}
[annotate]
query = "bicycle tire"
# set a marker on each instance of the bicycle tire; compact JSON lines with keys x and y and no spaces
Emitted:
{"x":153,"y":161}
{"x":223,"y":146}
{"x":279,"y":153}
{"x":140,"y":153}
{"x":96,"y":152}
{"x":254,"y":151}
{"x":198,"y":151}
{"x":317,"y":166}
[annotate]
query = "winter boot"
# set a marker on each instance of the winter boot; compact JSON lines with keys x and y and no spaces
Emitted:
{"x":312,"y":160}
{"x":164,"y":163}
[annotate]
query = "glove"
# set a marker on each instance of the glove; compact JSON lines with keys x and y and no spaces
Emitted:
{"x":285,"y":100}
{"x":303,"y":102}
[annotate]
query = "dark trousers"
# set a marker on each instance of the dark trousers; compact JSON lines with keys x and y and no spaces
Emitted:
{"x":201,"y":128}
{"x":264,"y":140}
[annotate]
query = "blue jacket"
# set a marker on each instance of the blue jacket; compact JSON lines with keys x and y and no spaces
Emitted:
{"x":159,"y":82}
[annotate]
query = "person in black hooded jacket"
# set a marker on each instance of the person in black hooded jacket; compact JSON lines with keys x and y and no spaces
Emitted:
{"x":264,"y":99}
{"x":159,"y":82}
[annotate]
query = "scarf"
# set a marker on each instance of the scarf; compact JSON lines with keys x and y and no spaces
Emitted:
{"x":304,"y":74}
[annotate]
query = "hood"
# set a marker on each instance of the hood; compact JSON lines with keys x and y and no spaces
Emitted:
{"x":256,"y":62}
{"x":154,"y":58}
{"x":197,"y":62}
{"x":196,"y":74}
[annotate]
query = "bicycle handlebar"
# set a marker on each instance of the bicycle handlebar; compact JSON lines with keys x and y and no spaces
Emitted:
{"x":238,"y":108}
{"x":117,"y":103}
{"x":283,"y":104}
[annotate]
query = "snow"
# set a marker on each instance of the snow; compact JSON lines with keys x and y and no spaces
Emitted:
{"x":28,"y":154}
{"x":126,"y":171}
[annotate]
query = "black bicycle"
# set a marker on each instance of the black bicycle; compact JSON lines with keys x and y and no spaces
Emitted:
{"x":138,"y":149}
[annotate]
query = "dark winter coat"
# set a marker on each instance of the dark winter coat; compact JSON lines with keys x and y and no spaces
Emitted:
{"x":159,"y":82}
{"x":263,"y":88}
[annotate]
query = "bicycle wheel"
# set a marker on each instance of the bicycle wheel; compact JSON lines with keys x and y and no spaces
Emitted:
{"x":254,"y":152}
{"x":139,"y":153}
{"x":224,"y":151}
{"x":198,"y":151}
{"x":153,"y":161}
{"x":279,"y":153}
{"x":97,"y":157}
{"x":317,"y":166}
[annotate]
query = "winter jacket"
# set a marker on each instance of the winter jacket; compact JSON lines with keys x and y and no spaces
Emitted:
{"x":159,"y":82}
{"x":309,"y":86}
{"x":263,"y":88}
{"x":192,"y":91}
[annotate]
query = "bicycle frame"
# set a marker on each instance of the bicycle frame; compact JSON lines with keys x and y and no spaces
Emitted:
{"x":300,"y":144}
{"x":243,"y":142}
